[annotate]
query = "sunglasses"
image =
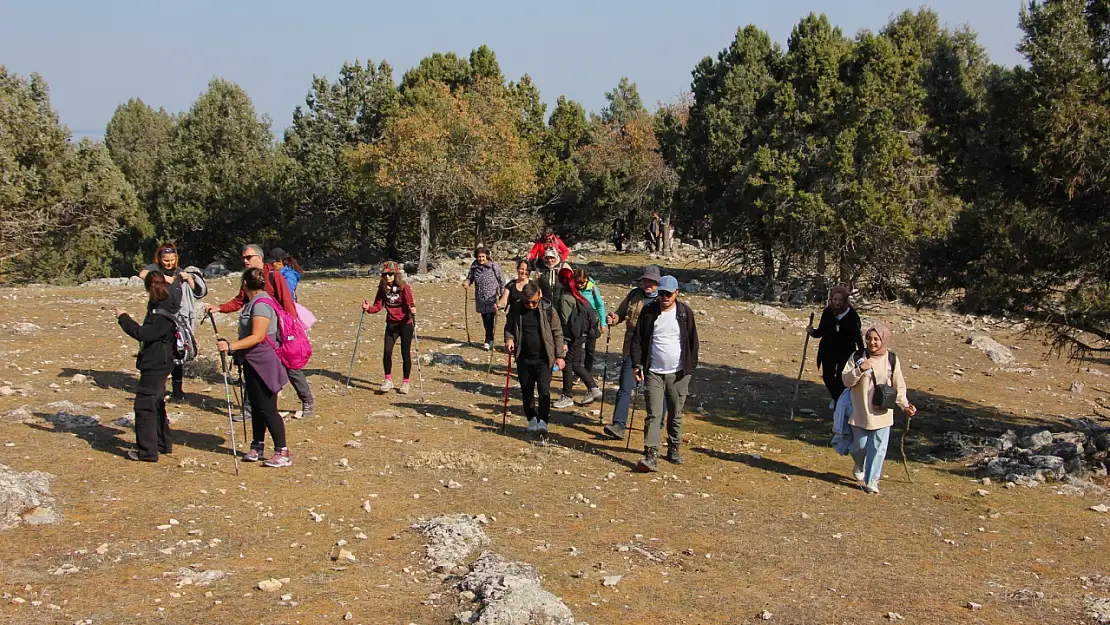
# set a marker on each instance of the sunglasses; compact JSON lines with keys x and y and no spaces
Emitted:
{"x":531,"y":303}
{"x":388,"y":274}
{"x":249,"y":256}
{"x":666,"y":293}
{"x":167,"y":251}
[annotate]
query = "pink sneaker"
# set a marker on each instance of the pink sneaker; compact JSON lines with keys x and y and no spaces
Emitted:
{"x":280,"y":458}
{"x":255,"y":453}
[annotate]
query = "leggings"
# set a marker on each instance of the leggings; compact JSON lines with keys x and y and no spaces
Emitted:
{"x":576,"y":367}
{"x":487,"y":323}
{"x":392,"y":332}
{"x":264,"y":411}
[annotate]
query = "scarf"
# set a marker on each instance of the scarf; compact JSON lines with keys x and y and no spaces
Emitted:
{"x":843,"y":290}
{"x":885,"y":336}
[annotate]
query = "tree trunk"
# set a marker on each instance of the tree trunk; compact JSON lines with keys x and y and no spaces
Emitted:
{"x":666,"y":235}
{"x":822,"y":268}
{"x":768,"y":270}
{"x":425,"y":239}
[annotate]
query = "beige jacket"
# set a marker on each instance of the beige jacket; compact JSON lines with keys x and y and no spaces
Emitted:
{"x":865,"y":414}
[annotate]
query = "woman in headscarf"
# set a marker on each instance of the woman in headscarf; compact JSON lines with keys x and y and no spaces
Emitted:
{"x":155,"y":362}
{"x":573,"y":309}
{"x":841,"y":336}
{"x":871,"y":423}
{"x":488,"y":280}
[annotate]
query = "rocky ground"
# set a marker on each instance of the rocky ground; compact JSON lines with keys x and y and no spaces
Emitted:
{"x":402,"y":510}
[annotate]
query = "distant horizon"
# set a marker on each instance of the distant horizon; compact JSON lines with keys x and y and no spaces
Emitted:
{"x":95,"y":57}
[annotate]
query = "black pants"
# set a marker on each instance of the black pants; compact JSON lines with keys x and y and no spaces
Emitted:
{"x":830,"y":373}
{"x":178,"y":376}
{"x":392,"y":331}
{"x":487,"y":323}
{"x":264,"y":410}
{"x":535,"y":376}
{"x":591,"y":354}
{"x":576,"y":368}
{"x":152,"y":426}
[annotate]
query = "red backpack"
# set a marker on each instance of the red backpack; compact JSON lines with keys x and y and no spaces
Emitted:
{"x":293,"y":348}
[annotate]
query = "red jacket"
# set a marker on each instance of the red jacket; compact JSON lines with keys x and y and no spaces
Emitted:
{"x":541,"y":246}
{"x":398,"y":305}
{"x":275,"y":285}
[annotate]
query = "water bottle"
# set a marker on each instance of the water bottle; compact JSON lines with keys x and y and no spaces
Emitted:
{"x":554,"y":368}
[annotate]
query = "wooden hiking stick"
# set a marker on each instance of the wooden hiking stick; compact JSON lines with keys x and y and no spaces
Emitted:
{"x":466,"y":313}
{"x":902,"y":446}
{"x":604,"y":374}
{"x":492,"y":346}
{"x":802,"y":368}
{"x":419,"y":366}
{"x":508,"y":376}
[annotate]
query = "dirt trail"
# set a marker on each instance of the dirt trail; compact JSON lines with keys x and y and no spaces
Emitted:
{"x":762,"y":517}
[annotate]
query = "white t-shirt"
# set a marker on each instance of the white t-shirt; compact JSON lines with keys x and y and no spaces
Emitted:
{"x":666,"y":344}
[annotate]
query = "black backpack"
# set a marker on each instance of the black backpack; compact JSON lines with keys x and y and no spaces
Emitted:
{"x":184,"y":343}
{"x":593,"y":320}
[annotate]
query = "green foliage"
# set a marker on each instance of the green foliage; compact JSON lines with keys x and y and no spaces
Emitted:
{"x":138,"y":139}
{"x":66,"y":213}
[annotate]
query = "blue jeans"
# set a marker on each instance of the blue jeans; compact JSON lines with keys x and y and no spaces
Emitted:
{"x":869,"y":449}
{"x":624,"y":393}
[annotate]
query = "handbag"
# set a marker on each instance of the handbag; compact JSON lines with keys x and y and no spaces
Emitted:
{"x":884,"y":396}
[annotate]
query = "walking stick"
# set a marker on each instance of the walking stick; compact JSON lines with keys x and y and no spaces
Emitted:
{"x":466,"y":313}
{"x":227,"y":395}
{"x":605,"y":374}
{"x":802,"y":368}
{"x":902,"y":446}
{"x":419,"y":366}
{"x":493,"y":346}
{"x":632,"y":417}
{"x":354,"y":354}
{"x":508,"y":376}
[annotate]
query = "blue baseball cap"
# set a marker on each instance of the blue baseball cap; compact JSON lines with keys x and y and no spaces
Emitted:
{"x":668,"y":284}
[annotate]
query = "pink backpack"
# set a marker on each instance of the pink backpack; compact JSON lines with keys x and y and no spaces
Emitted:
{"x":293,"y":348}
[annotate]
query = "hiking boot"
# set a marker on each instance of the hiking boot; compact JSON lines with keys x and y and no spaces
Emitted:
{"x":541,"y":427}
{"x":673,"y":456}
{"x":256,"y":452}
{"x":614,"y":431}
{"x":280,"y":459}
{"x":533,"y":423}
{"x":563,"y":402}
{"x":134,"y":455}
{"x":238,"y":418}
{"x":591,"y":395}
{"x":650,"y":462}
{"x":405,"y":387}
{"x":308,"y":409}
{"x":386,"y":386}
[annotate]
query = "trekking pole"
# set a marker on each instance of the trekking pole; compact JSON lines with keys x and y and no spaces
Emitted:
{"x":243,"y":401}
{"x":466,"y":313}
{"x":419,"y":366}
{"x":227,"y":395}
{"x":605,"y":374}
{"x":632,"y":417}
{"x":802,"y":368}
{"x":493,"y":346}
{"x":508,"y":376}
{"x":354,"y":354}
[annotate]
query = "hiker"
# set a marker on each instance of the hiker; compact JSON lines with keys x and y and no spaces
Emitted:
{"x":166,"y":263}
{"x":534,"y":338}
{"x":278,"y":289}
{"x":489,"y":281}
{"x":841,"y":334}
{"x":574,"y":317}
{"x":288,"y":267}
{"x":875,"y":365}
{"x":400,"y":322}
{"x":628,"y":313}
{"x":155,"y":362}
{"x":618,"y":234}
{"x":514,"y":289}
{"x":263,"y":373}
{"x":588,"y":289}
{"x":664,"y":355}
{"x":548,"y":241}
{"x":655,"y":233}
{"x":548,"y":279}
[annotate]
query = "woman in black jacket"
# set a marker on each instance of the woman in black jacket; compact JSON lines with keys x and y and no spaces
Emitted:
{"x":841,"y":335}
{"x":155,"y":362}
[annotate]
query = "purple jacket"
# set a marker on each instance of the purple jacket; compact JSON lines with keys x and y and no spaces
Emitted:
{"x":265,"y":362}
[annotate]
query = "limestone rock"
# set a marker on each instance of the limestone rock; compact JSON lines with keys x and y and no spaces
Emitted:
{"x":26,"y":498}
{"x":770,"y":312}
{"x":452,"y":538}
{"x":997,"y":352}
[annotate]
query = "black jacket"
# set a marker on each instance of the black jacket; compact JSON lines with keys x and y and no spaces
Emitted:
{"x":550,"y":330}
{"x":640,"y":351}
{"x":156,"y":336}
{"x":839,"y":339}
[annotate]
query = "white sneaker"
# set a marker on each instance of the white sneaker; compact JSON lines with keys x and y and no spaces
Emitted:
{"x":532,"y":423}
{"x":563,"y":402}
{"x":541,"y":427}
{"x":386,"y":386}
{"x":591,"y":396}
{"x":486,"y":346}
{"x":404,"y":390}
{"x":872,"y":488}
{"x":857,"y":472}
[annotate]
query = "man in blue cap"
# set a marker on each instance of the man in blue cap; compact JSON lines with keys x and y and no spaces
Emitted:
{"x":664,"y":354}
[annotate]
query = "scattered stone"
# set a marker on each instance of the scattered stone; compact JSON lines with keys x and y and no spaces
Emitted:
{"x":1025,"y":595}
{"x":971,"y":605}
{"x":1103,"y":508}
{"x":126,"y":421}
{"x":451,"y":539}
{"x":765,"y":615}
{"x":190,"y":577}
{"x":26,"y":498}
{"x":1098,"y":609}
{"x":79,"y":378}
{"x":269,"y":585}
{"x":894,"y":616}
{"x":353,"y":444}
{"x":215,"y":270}
{"x":511,"y":593}
{"x":997,"y":352}
{"x":453,"y":484}
{"x":611,"y":580}
{"x":23,"y":328}
{"x":982,"y":493}
{"x":346,"y":556}
{"x":366,"y":506}
{"x":770,"y":312}
{"x":1076,"y":388}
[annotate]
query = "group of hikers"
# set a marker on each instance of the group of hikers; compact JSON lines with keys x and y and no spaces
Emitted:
{"x":554,"y":318}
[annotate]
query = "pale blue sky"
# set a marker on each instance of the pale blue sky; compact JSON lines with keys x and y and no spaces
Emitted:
{"x":97,"y":54}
